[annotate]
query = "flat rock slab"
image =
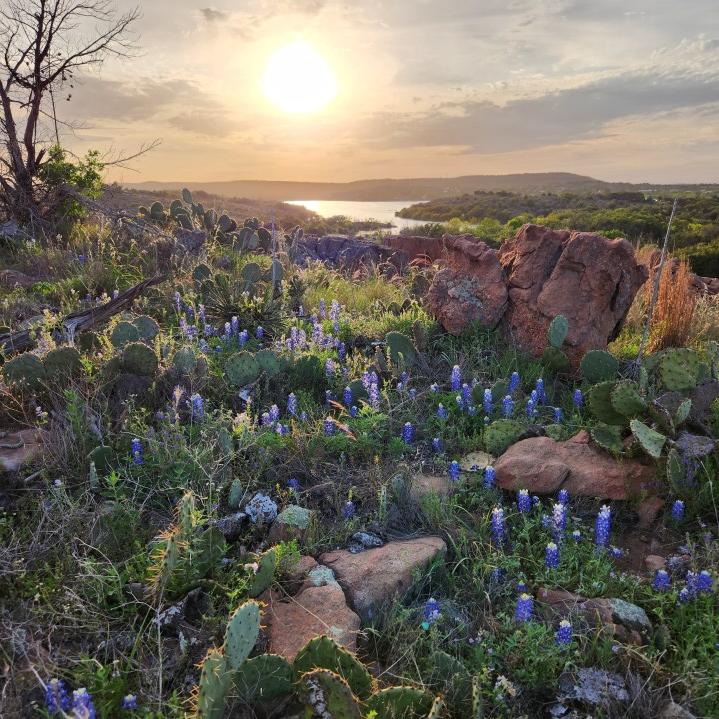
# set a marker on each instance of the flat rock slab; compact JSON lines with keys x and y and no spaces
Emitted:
{"x":19,"y":448}
{"x":376,"y":576}
{"x":543,"y":466}
{"x":313,"y":612}
{"x":424,"y":484}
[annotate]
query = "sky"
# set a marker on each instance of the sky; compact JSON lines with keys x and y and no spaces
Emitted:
{"x":619,"y":90}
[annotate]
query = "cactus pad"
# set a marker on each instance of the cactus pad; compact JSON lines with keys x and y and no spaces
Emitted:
{"x":599,"y":402}
{"x":264,"y":677}
{"x":326,"y":691}
{"x":242,"y":368}
{"x":626,"y":399}
{"x":62,"y":362}
{"x":608,"y":436}
{"x":555,"y":361}
{"x":679,"y":369}
{"x":500,"y":434}
{"x":184,"y":361}
{"x":652,"y":442}
{"x":138,"y":358}
{"x":25,"y":370}
{"x":214,"y":683}
{"x":598,"y":366}
{"x":147,"y":327}
{"x":557,"y":332}
{"x":241,"y":634}
{"x":268,"y":362}
{"x":265,"y":573}
{"x":400,"y":703}
{"x":124,"y":332}
{"x":400,"y":344}
{"x":325,"y":653}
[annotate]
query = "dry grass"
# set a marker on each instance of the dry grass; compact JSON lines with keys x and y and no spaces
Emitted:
{"x":676,"y":302}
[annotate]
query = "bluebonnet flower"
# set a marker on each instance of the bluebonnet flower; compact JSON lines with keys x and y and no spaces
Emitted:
{"x":437,"y":444}
{"x":563,"y":636}
{"x":347,"y":396}
{"x":487,"y":401}
{"x":261,"y":509}
{"x":466,"y":395}
{"x":489,"y":477}
{"x":56,"y":698}
{"x":294,"y":484}
{"x":524,"y":503}
{"x":460,"y":402}
{"x":513,"y":382}
{"x":563,"y":497}
{"x":342,"y":351}
{"x":265,"y":420}
{"x":704,"y":582}
{"x":558,"y":415}
{"x":235,"y":325}
{"x":323,"y":309}
{"x":455,"y":379}
{"x":551,"y":556}
{"x":259,"y":332}
{"x":661,"y":581}
{"x":129,"y":702}
{"x":329,"y":427}
{"x":559,"y":518}
{"x":292,"y":404}
{"x":434,"y":387}
{"x":603,"y":526}
{"x":684,"y":596}
{"x":408,"y":433}
{"x":576,"y":535}
{"x":531,"y":408}
{"x":539,"y":389}
{"x":274,"y":413}
{"x":442,"y":411}
{"x":521,"y":587}
{"x":243,"y":338}
{"x":524,"y":609}
{"x":334,"y":310}
{"x":507,"y":406}
{"x":536,"y":501}
{"x":374,"y":395}
{"x":400,"y":386}
{"x":578,"y":398}
{"x":454,"y":470}
{"x":348,"y":510}
{"x":616,"y":552}
{"x":178,"y":302}
{"x":404,"y":377}
{"x":495,"y":575}
{"x":81,"y":259}
{"x":228,"y":331}
{"x":282,"y":429}
{"x":82,"y":705}
{"x":431,"y":611}
{"x":197,"y":407}
{"x":203,"y":346}
{"x":413,"y":393}
{"x":304,"y":416}
{"x":678,"y":510}
{"x":330,"y":368}
{"x":498,"y":526}
{"x":137,"y":451}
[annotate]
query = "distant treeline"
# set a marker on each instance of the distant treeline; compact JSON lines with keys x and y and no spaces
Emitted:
{"x":640,"y":217}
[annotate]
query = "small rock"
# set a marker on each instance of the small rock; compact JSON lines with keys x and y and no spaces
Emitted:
{"x":424,"y":484}
{"x":362,"y":541}
{"x":594,"y":686}
{"x":648,"y":511}
{"x":559,"y":600}
{"x":313,"y":612}
{"x":605,"y":611}
{"x":476,"y":461}
{"x":19,"y":448}
{"x":230,"y":526}
{"x":291,"y":523}
{"x":13,"y":278}
{"x":375,"y":576}
{"x":675,"y":711}
{"x":654,"y":562}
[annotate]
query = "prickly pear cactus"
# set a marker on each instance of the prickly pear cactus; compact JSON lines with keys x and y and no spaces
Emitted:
{"x":675,"y":471}
{"x":157,"y":211}
{"x":453,"y":681}
{"x":88,"y":342}
{"x":62,"y":362}
{"x":419,"y":335}
{"x":500,"y":434}
{"x":215,"y":680}
{"x":124,"y":332}
{"x":186,"y":196}
{"x":682,"y":413}
{"x":268,"y":362}
{"x":555,"y":361}
{"x":626,"y":399}
{"x":241,"y":634}
{"x":437,"y":708}
{"x":251,"y":273}
{"x":234,"y":498}
{"x":608,"y":436}
{"x":24,"y":371}
{"x":557,"y":332}
{"x":399,"y":344}
{"x":201,"y":273}
{"x":400,"y":703}
{"x":242,"y":368}
{"x":184,"y":361}
{"x":651,"y":441}
{"x":598,"y":366}
{"x":325,"y":653}
{"x":326,"y":693}
{"x":599,"y":402}
{"x":265,"y":573}
{"x":138,"y":358}
{"x":264,"y":677}
{"x":147,"y":327}
{"x":679,"y":369}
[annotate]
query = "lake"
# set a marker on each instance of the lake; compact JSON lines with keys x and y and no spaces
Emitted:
{"x":381,"y":211}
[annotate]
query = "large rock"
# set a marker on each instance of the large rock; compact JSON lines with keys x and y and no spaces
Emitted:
{"x":544,"y":466}
{"x":316,"y":610}
{"x":471,"y":288}
{"x":589,"y":279}
{"x":417,"y":246}
{"x":19,"y":448}
{"x":14,"y":278}
{"x":376,"y":576}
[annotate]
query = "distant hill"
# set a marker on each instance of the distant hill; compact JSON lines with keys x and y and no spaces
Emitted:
{"x":415,"y":189}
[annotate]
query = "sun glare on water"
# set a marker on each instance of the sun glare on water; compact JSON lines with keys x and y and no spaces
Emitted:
{"x":298,"y":79}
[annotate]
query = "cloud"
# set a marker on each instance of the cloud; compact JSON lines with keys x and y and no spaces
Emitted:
{"x":211,"y":15}
{"x":552,"y":118}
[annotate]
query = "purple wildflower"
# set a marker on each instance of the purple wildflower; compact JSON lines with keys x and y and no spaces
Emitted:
{"x":513,"y":382}
{"x":408,"y":433}
{"x":442,"y":411}
{"x":56,"y":698}
{"x":349,"y":509}
{"x":454,"y":470}
{"x":558,"y":415}
{"x":524,"y":609}
{"x":329,"y":427}
{"x":136,"y":451}
{"x":524,"y":503}
{"x":678,"y":510}
{"x":347,"y":396}
{"x":437,"y":444}
{"x":661,"y":581}
{"x":563,"y":636}
{"x":82,"y":705}
{"x":431,"y":611}
{"x":274,"y":413}
{"x":292,"y":404}
{"x":489,"y":477}
{"x":498,"y":526}
{"x":197,"y":407}
{"x":551,"y":556}
{"x":129,"y":702}
{"x":507,"y":406}
{"x":578,"y":398}
{"x":603,"y":526}
{"x":455,"y":379}
{"x":487,"y":401}
{"x":563,"y":497}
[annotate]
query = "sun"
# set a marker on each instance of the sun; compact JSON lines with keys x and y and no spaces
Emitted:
{"x":298,"y":79}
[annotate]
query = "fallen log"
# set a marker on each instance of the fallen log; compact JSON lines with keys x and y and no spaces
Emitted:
{"x":78,"y":322}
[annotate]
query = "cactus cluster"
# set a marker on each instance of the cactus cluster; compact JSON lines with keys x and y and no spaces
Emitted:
{"x":29,"y":372}
{"x":142,"y":328}
{"x":598,"y":366}
{"x":265,"y":573}
{"x":402,"y":351}
{"x":554,"y":360}
{"x":244,"y":368}
{"x":500,"y":434}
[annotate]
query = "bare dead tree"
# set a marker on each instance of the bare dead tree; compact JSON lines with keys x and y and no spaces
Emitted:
{"x":43,"y":43}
